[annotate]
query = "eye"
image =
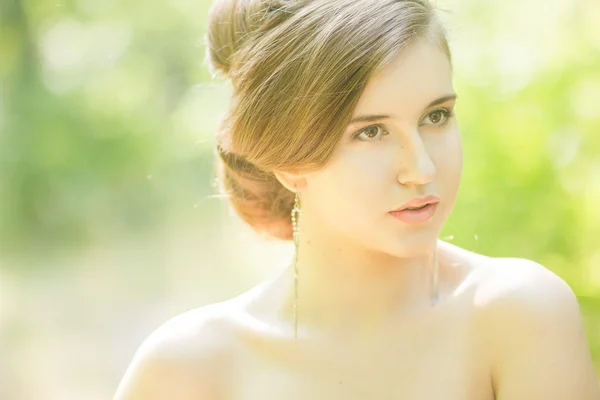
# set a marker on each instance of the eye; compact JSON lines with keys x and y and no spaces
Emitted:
{"x":439,"y":117}
{"x":371,"y":133}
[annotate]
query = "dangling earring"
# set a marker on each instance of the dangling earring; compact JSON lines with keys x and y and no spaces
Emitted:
{"x":296,"y":211}
{"x":435,"y":295}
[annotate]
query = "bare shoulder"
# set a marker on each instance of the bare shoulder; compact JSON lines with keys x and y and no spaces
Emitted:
{"x":526,"y":282}
{"x":533,"y":326}
{"x":516,"y":290}
{"x":184,"y":358}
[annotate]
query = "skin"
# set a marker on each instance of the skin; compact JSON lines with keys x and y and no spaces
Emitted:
{"x":504,"y":328}
{"x":347,"y":234}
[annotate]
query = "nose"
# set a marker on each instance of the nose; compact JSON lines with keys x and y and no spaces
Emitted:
{"x":419,"y":168}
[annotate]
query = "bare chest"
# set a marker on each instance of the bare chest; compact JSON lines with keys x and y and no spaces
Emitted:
{"x":439,"y":358}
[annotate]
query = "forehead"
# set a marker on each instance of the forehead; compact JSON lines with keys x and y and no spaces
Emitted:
{"x":419,"y":74}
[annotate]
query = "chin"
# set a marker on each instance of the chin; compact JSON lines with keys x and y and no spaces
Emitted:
{"x":414,"y":243}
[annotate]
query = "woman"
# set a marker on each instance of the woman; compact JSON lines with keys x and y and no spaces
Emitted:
{"x":342,"y":137}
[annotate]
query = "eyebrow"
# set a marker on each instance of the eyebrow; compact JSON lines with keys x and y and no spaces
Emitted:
{"x":372,"y":118}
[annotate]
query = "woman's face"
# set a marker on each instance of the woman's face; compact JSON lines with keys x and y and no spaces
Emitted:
{"x":382,"y":163}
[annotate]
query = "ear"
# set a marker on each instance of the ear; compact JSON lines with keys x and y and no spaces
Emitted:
{"x":291,"y":181}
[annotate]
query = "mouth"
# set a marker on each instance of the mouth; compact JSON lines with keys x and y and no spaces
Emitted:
{"x":415,"y":215}
{"x":418,"y":203}
{"x":416,"y":208}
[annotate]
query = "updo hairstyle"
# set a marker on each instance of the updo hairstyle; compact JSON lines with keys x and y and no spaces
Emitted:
{"x":298,"y":69}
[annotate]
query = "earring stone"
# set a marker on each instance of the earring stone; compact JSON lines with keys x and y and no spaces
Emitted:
{"x":296,"y":212}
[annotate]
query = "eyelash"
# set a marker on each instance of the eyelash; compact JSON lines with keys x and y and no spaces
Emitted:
{"x":448,"y":114}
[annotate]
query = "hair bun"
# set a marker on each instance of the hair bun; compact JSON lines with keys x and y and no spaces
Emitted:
{"x":298,"y":69}
{"x":230,"y":23}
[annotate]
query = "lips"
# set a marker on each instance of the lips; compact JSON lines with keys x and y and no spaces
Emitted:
{"x":416,"y":217}
{"x":416,"y":208}
{"x":418,"y":203}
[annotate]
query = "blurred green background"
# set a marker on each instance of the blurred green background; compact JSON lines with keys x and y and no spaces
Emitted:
{"x":109,"y":219}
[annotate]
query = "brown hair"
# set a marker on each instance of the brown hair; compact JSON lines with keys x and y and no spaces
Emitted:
{"x":298,"y":68}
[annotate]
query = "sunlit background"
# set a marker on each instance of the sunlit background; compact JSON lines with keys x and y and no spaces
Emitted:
{"x":108,"y":220}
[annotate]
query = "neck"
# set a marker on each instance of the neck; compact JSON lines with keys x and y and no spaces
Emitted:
{"x":342,"y":286}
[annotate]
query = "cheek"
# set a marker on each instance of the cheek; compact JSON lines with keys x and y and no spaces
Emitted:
{"x":348,"y":186}
{"x":457,"y":150}
{"x":449,"y":156}
{"x":361,"y":173}
{"x":449,"y":161}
